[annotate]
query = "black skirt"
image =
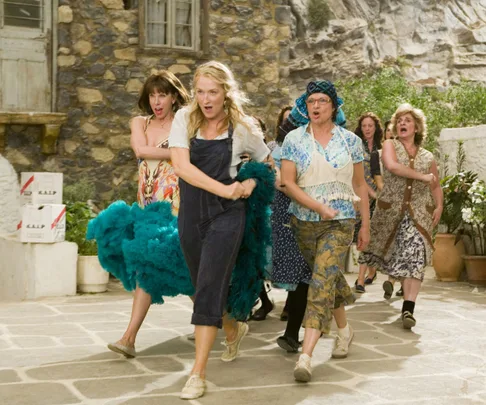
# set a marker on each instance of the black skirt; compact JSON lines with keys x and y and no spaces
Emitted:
{"x":288,"y":264}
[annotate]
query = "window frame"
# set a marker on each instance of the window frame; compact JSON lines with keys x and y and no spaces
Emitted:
{"x":198,"y":11}
{"x":41,"y":19}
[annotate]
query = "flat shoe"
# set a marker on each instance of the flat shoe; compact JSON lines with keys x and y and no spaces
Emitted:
{"x":284,"y":316}
{"x":289,"y":344}
{"x":388,"y":288}
{"x":370,"y":280}
{"x":261,"y":313}
{"x":128,"y":352}
{"x":359,"y":288}
{"x":408,"y":320}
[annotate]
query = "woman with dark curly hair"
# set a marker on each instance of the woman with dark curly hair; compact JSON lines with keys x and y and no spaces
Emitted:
{"x":371,"y":132}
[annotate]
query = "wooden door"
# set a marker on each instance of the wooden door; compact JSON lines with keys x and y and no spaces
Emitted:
{"x":25,"y":37}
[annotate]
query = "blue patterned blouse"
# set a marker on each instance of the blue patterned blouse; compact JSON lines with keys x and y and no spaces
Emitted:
{"x":297,"y":147}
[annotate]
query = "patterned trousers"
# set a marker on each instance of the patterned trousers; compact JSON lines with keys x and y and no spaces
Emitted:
{"x":324,"y":246}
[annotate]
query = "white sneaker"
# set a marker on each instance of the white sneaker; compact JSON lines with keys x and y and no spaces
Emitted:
{"x":194,"y":388}
{"x":341,"y":345}
{"x":232,"y":348}
{"x":303,"y":368}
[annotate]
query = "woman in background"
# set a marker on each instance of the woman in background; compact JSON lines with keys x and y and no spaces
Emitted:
{"x":370,"y":131}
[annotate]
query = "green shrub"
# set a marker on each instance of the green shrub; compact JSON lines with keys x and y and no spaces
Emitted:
{"x":318,"y":14}
{"x":82,"y":190}
{"x":78,"y":214}
{"x":383,"y":91}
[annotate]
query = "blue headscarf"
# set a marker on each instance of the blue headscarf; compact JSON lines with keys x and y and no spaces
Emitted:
{"x":299,"y":115}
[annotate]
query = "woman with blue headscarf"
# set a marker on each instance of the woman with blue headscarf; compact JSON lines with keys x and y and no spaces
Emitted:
{"x":322,"y":172}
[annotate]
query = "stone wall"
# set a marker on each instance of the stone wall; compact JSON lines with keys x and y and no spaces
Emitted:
{"x":474,"y":139}
{"x":101,"y":69}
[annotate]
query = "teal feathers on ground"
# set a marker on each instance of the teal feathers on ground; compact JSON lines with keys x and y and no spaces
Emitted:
{"x":141,"y":246}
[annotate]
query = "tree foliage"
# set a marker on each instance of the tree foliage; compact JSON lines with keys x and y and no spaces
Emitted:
{"x":383,"y":91}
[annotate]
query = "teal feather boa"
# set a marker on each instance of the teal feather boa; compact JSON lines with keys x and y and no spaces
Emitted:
{"x":141,"y":246}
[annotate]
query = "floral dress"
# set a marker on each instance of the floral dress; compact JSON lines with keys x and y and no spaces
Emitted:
{"x":157,"y":180}
{"x":401,"y":227}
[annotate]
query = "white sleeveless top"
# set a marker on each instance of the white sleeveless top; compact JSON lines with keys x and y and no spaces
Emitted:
{"x":327,"y":180}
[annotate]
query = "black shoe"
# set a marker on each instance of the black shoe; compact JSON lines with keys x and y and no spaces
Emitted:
{"x":288,"y":343}
{"x":408,"y":320}
{"x":399,"y":293}
{"x":284,"y":316}
{"x":359,"y":288}
{"x":388,"y":288}
{"x":369,"y":281}
{"x":261,"y":313}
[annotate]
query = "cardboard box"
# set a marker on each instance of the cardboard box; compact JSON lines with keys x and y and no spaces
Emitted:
{"x":43,"y":223}
{"x":40,"y":188}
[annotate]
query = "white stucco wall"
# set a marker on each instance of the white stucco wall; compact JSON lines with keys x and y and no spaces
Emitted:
{"x":9,"y":198}
{"x":474,"y":145}
{"x":34,"y":270}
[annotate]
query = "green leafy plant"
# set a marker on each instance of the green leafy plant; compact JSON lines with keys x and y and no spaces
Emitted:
{"x":382,"y":91}
{"x":78,"y":214}
{"x":474,"y":217}
{"x":319,"y":14}
{"x":455,"y":189}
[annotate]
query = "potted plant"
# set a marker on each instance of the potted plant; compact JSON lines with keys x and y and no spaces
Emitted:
{"x":474,"y":217}
{"x":448,"y":244}
{"x":90,"y":275}
{"x":449,"y":248}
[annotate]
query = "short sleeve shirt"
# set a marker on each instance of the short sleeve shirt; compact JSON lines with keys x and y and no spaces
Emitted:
{"x":297,"y":147}
{"x":245,"y":141}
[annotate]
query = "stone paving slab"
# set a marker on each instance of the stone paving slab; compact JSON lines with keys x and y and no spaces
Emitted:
{"x":53,"y":352}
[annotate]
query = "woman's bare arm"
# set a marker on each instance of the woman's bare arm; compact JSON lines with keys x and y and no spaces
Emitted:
{"x":391,"y":163}
{"x":138,"y":142}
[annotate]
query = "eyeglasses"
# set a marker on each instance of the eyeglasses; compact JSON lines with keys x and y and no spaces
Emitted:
{"x":320,"y":101}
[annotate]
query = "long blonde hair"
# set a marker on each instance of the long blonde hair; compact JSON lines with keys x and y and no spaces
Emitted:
{"x":234,"y":98}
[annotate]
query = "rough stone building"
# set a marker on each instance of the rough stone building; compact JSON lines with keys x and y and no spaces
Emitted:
{"x":87,"y":60}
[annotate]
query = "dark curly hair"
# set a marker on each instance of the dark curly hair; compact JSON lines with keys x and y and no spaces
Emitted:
{"x":378,"y":135}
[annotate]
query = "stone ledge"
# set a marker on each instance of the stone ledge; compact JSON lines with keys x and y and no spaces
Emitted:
{"x":34,"y":270}
{"x":51,"y":127}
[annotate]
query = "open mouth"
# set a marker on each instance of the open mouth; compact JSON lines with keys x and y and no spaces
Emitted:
{"x":403,"y":130}
{"x":208,"y":108}
{"x":158,"y":110}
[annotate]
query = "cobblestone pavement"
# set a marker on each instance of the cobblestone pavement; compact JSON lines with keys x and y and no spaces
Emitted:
{"x":53,"y":351}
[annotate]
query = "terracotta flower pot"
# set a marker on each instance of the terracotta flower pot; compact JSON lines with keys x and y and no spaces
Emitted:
{"x":476,"y":269}
{"x":447,"y":258}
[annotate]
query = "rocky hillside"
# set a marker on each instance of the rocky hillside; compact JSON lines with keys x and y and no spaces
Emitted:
{"x":435,"y":42}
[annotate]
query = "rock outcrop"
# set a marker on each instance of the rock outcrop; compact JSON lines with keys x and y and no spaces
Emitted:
{"x":435,"y":42}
